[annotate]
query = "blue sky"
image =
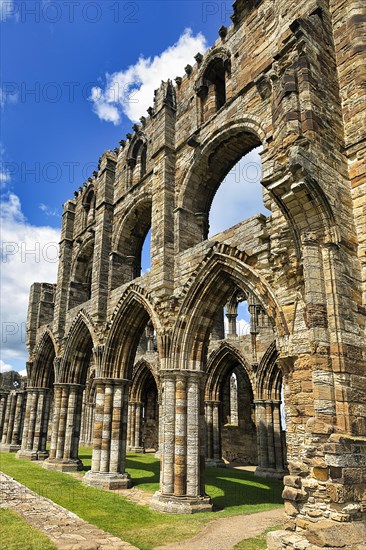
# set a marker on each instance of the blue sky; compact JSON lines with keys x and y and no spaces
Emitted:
{"x":55,"y":57}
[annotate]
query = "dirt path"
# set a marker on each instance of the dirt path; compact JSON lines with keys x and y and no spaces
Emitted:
{"x":65,"y":529}
{"x":224,"y":533}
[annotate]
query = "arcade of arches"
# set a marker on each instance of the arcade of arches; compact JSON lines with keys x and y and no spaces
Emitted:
{"x":155,"y":362}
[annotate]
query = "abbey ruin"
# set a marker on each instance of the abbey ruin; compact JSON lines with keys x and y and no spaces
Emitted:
{"x":125,"y":361}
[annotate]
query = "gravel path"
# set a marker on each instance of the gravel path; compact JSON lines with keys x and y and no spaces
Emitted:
{"x":64,"y":528}
{"x":224,"y":533}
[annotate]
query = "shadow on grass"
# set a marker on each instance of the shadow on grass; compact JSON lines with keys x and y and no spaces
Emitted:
{"x":228,"y":488}
{"x":231,"y":488}
{"x":144,"y":470}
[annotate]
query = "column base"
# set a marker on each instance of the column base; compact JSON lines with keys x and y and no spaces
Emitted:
{"x":63,"y":464}
{"x":109,"y":481}
{"x":215,"y":462}
{"x":42,"y":455}
{"x":135,"y":450}
{"x":171,"y":504}
{"x":270,"y":473}
{"x":27,"y":455}
{"x":9,"y":448}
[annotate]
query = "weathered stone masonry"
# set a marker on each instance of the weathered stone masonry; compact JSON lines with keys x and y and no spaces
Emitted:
{"x":118,"y":356}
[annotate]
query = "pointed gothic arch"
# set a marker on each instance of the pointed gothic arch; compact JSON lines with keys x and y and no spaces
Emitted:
{"x":220,"y":362}
{"x":81,"y":274}
{"x":42,"y":374}
{"x":223,"y":271}
{"x":127,"y":246}
{"x":129,"y":320}
{"x":81,"y":340}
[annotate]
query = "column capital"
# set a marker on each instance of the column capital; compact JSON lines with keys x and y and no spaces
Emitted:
{"x":70,"y":385}
{"x":259,"y":401}
{"x":174,"y":373}
{"x":36,"y":388}
{"x":112,"y":381}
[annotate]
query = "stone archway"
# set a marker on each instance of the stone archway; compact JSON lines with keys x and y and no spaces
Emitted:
{"x":272,"y":461}
{"x":73,"y":374}
{"x":143,"y":410}
{"x":114,"y":376}
{"x":40,"y":394}
{"x":183,"y":382}
{"x":229,"y":409}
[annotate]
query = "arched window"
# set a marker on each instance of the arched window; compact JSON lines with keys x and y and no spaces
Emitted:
{"x":240,"y":195}
{"x":89,"y":208}
{"x":81,"y":278}
{"x":211,"y":88}
{"x":131,"y":255}
{"x":137,"y":161}
{"x":223,"y":187}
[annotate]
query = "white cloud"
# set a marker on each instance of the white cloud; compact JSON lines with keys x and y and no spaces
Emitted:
{"x":23,"y":372}
{"x":49,"y":211}
{"x":242,"y":327}
{"x":4,"y":178}
{"x":28,"y":253}
{"x":4,"y":367}
{"x":239,"y":196}
{"x":131,"y":91}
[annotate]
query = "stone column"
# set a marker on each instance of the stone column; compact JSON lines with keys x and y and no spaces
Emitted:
{"x":213,"y":434}
{"x":66,"y":428}
{"x":231,"y":317}
{"x":56,"y":419}
{"x":110,"y":436}
{"x":135,"y":425}
{"x":180,"y":446}
{"x":277,"y":437}
{"x":209,"y":430}
{"x":47,"y":400}
{"x":16,"y":437}
{"x":12,"y":405}
{"x":160,"y":433}
{"x":270,"y":436}
{"x":39,"y":419}
{"x":150,"y":337}
{"x":262,"y":438}
{"x":3,"y":400}
{"x":168,"y":429}
{"x":10,"y":422}
{"x":183,"y":449}
{"x":6,"y":421}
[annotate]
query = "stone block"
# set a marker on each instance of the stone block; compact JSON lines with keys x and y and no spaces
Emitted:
{"x":339,"y":535}
{"x":289,"y":493}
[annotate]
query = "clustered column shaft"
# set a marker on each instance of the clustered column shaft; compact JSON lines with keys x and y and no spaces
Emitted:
{"x":269,"y":438}
{"x":66,"y":427}
{"x":110,"y":435}
{"x":11,"y":419}
{"x":134,"y":429}
{"x":183,"y":443}
{"x":213,"y":428}
{"x":3,"y":401}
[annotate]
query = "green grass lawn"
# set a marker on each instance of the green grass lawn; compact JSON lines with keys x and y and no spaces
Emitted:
{"x":232,"y":491}
{"x":16,"y":534}
{"x":256,"y":543}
